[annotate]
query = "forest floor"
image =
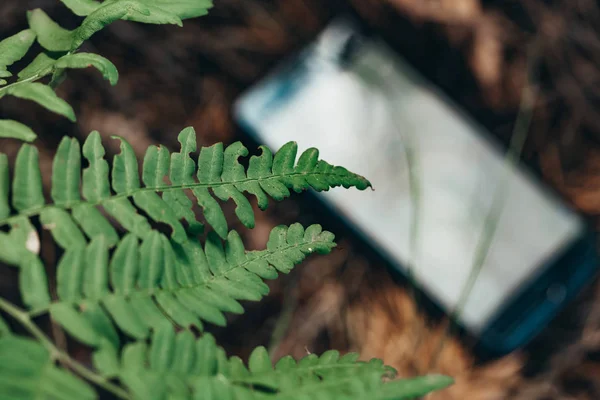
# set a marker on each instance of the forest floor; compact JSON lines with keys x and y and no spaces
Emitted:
{"x":476,"y":51}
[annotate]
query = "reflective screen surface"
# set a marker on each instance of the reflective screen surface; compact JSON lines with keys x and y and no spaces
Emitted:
{"x":364,"y":116}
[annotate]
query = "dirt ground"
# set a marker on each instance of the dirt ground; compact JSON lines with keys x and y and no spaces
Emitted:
{"x":477,"y":51}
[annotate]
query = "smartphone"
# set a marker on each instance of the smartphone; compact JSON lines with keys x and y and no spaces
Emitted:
{"x":356,"y":100}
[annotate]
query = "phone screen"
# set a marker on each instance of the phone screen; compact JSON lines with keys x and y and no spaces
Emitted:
{"x":364,"y":113}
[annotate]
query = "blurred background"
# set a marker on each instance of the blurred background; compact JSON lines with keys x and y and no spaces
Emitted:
{"x":475,"y":51}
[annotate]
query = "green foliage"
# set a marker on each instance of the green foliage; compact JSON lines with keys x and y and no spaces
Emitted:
{"x":16,"y":130}
{"x":139,"y":284}
{"x":138,"y":297}
{"x":149,"y":284}
{"x":13,"y":49}
{"x":27,"y":371}
{"x":63,"y":45}
{"x":44,"y":96}
{"x":177,"y":365}
{"x":217,"y":169}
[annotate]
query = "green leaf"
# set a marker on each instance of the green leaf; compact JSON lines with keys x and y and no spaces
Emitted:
{"x":14,"y":48}
{"x":151,"y":257}
{"x":175,"y":365}
{"x":50,"y":35}
{"x":103,"y":16}
{"x":210,"y":165}
{"x":95,"y":279}
{"x":106,"y":360}
{"x":184,"y":9}
{"x":33,"y":282}
{"x":98,"y":15}
{"x":156,"y":167}
{"x":64,"y":230}
{"x":125,"y":316}
{"x":75,"y":323}
{"x":101,"y":323}
{"x":124,"y":265}
{"x":66,"y":173}
{"x":4,"y":187}
{"x":28,"y":372}
{"x":82,"y":7}
{"x":21,"y":241}
{"x":125,"y":175}
{"x":40,"y":66}
{"x":16,"y":130}
{"x":4,"y":328}
{"x":85,"y":60}
{"x":229,"y":171}
{"x":126,"y":214}
{"x":44,"y":96}
{"x":27,"y":183}
{"x":259,"y":361}
{"x":95,"y":177}
{"x":93,"y":223}
{"x":162,"y":349}
{"x":156,"y":15}
{"x":181,"y":172}
{"x":412,"y":388}
{"x":69,"y":275}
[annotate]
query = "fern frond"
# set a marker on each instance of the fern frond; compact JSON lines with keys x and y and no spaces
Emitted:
{"x":147,"y":285}
{"x":218,"y":170}
{"x":27,"y":371}
{"x":180,"y":366}
{"x":148,"y":279}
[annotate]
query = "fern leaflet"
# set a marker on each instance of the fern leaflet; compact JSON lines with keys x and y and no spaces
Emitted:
{"x":27,"y":371}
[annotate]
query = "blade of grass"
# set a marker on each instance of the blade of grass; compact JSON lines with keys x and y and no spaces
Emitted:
{"x":511,"y":162}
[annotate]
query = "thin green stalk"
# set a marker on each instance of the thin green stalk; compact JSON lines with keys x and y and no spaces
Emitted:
{"x":414,"y":188}
{"x":5,"y":89}
{"x":57,"y":78}
{"x":492,"y":219}
{"x":283,"y":322}
{"x":23,"y":318}
{"x":56,"y":354}
{"x":414,"y":232}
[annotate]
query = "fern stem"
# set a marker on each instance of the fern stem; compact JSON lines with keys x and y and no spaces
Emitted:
{"x":93,"y":377}
{"x":36,"y":211}
{"x":56,"y":354}
{"x":5,"y":89}
{"x":25,"y":320}
{"x":53,"y":84}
